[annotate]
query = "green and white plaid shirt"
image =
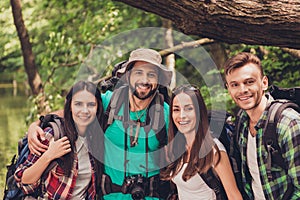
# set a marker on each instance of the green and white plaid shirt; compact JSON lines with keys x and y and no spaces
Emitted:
{"x":288,"y":129}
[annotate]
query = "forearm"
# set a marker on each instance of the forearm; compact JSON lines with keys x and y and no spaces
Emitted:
{"x":33,"y":173}
{"x":225,"y":173}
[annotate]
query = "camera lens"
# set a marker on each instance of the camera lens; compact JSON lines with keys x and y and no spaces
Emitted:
{"x":137,"y":193}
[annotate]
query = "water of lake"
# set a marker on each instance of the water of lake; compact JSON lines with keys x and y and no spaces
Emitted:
{"x":13,"y":111}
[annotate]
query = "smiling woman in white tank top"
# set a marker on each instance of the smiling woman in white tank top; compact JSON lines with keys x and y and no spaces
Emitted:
{"x":192,"y":150}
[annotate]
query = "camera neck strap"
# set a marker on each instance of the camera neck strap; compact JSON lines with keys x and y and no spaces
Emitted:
{"x":126,"y":125}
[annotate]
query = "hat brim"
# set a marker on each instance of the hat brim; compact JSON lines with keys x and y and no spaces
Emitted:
{"x":165,"y":75}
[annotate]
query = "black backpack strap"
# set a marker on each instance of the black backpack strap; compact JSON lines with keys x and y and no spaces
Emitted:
{"x":155,"y":119}
{"x":270,"y":138}
{"x":157,"y":112}
{"x":235,"y":155}
{"x":213,"y":181}
{"x":117,"y":96}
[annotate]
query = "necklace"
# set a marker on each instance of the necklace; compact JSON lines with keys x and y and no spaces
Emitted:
{"x":134,"y":139}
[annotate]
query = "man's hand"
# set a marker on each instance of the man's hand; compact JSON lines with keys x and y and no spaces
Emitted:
{"x":35,"y":133}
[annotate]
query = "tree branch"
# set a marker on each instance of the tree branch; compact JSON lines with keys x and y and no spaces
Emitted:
{"x":255,"y":22}
{"x":185,"y":45}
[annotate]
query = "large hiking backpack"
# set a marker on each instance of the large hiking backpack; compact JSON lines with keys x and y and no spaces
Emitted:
{"x":11,"y":190}
{"x":283,"y":98}
{"x":223,"y":128}
{"x":116,"y":80}
{"x":154,"y":119}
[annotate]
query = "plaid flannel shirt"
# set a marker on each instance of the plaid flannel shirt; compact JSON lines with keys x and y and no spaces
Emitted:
{"x":288,"y":129}
{"x":55,"y":185}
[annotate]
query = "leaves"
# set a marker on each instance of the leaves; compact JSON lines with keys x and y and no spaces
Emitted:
{"x":63,"y":34}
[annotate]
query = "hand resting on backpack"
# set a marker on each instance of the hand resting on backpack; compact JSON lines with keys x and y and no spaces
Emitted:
{"x":55,"y":150}
{"x":36,"y":135}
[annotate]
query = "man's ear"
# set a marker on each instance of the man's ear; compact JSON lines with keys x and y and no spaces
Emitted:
{"x":226,"y":86}
{"x":265,"y":83}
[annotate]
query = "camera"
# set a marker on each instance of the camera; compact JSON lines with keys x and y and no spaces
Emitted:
{"x":135,"y":185}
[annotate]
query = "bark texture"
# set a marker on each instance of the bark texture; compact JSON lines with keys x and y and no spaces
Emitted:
{"x":34,"y":78}
{"x":260,"y":22}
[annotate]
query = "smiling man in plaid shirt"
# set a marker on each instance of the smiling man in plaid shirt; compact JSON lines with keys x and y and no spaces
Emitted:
{"x":247,"y":84}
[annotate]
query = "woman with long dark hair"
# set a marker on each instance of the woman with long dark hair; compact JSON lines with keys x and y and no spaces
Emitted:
{"x":192,"y":151}
{"x":78,"y":153}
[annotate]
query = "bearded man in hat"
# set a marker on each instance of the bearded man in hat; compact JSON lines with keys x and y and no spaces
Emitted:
{"x":136,"y":128}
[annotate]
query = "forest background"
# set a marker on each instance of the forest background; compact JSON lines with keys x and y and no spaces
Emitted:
{"x":62,"y":35}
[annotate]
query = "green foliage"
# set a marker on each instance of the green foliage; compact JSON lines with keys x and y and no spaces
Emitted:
{"x":63,"y":33}
{"x":281,"y":68}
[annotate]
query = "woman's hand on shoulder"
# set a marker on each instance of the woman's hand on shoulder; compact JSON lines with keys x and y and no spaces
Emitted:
{"x":58,"y":148}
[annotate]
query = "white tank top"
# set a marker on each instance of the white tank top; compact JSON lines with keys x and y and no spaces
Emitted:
{"x":195,"y":188}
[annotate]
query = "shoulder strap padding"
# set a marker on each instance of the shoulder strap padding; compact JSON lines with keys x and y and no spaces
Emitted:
{"x":117,"y":98}
{"x":58,"y":132}
{"x":270,"y":136}
{"x":157,"y":112}
{"x":57,"y":129}
{"x":270,"y":139}
{"x":214,"y":182}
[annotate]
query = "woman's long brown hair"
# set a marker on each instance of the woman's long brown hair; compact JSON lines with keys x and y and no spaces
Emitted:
{"x":202,"y":155}
{"x":94,"y":132}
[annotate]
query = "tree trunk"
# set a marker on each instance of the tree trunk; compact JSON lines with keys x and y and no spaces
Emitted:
{"x":170,"y":59}
{"x":260,"y":22}
{"x":34,"y":78}
{"x":218,"y":54}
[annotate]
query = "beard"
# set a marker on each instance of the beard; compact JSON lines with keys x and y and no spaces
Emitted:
{"x":142,"y":95}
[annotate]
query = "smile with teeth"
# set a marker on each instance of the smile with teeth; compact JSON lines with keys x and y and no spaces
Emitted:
{"x":143,"y":86}
{"x":244,"y":98}
{"x":183,"y":122}
{"x":83,"y":117}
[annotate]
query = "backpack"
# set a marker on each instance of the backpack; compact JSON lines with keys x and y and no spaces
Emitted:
{"x":116,"y":80}
{"x":155,"y":122}
{"x":118,"y":85}
{"x":11,"y":190}
{"x":222,"y":121}
{"x":283,"y":98}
